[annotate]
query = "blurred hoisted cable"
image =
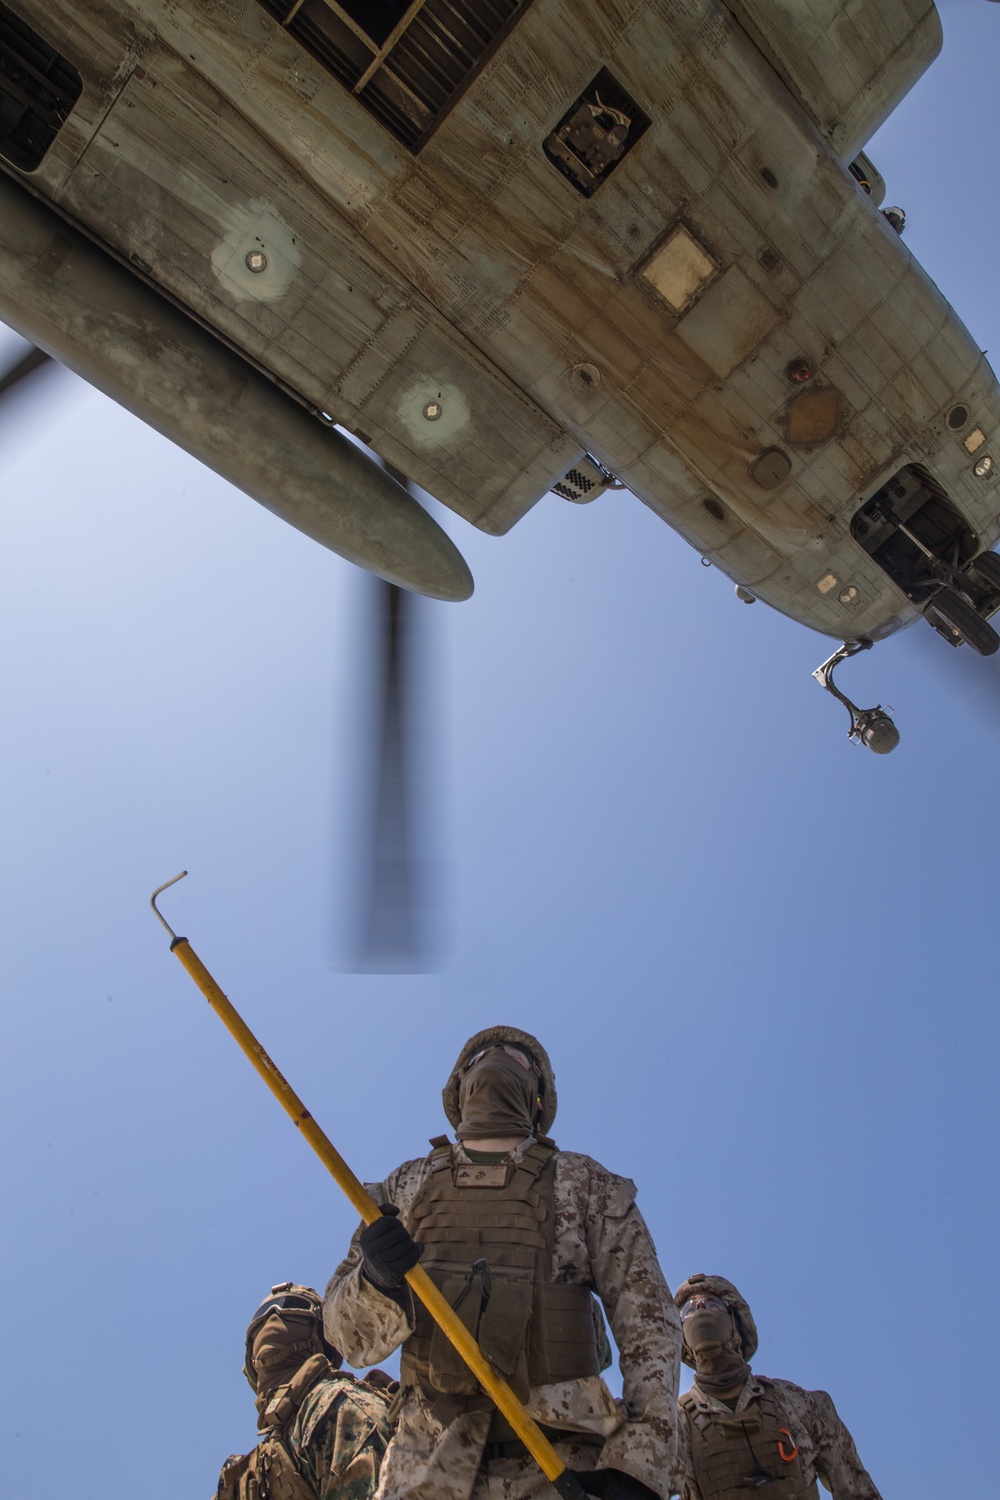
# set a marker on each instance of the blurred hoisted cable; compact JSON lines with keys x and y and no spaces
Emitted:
{"x":389,"y":937}
{"x":392,"y":935}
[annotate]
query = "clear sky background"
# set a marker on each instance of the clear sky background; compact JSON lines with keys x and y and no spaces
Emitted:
{"x":763,"y":961}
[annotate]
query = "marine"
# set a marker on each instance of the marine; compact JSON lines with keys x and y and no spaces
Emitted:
{"x":740,"y":1431}
{"x":324,"y":1432}
{"x":527,"y":1243}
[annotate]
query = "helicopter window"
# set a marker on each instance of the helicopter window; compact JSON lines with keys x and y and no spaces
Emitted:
{"x":38,"y":88}
{"x":596,"y":133}
{"x":407,"y":63}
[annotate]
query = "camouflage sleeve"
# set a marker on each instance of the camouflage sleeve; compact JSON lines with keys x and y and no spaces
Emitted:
{"x":363,"y":1323}
{"x":837,"y":1461}
{"x":338,"y":1441}
{"x":646,"y":1328}
{"x":684,"y":1481}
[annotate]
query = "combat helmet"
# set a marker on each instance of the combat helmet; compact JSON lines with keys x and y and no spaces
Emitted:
{"x":492,"y":1035}
{"x":718,"y":1286}
{"x":299,"y":1299}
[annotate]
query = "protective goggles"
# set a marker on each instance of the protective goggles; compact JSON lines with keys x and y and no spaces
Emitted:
{"x":519,"y":1054}
{"x":285,"y":1302}
{"x":280,"y":1302}
{"x":702,"y":1302}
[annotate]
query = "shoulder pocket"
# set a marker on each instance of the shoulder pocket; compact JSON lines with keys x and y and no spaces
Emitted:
{"x":619,"y":1197}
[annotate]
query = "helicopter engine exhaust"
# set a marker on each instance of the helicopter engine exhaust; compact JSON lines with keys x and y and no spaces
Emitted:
{"x":77,"y":303}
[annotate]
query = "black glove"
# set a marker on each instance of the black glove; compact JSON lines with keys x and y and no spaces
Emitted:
{"x":613,"y":1484}
{"x":388,"y":1250}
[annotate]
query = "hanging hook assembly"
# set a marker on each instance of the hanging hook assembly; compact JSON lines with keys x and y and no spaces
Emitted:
{"x":872,"y":727}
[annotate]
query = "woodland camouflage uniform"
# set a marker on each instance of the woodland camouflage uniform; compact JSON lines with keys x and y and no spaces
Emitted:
{"x":600,"y":1242}
{"x":814,"y":1443}
{"x":323,"y":1435}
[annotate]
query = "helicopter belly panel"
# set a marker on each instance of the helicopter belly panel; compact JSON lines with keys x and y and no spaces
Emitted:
{"x":178,"y":181}
{"x":848,"y":62}
{"x":484,"y":317}
{"x":728,"y":322}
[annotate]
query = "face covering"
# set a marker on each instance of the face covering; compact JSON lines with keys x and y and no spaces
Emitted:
{"x":713,"y":1339}
{"x":498,"y":1096}
{"x":281,"y":1345}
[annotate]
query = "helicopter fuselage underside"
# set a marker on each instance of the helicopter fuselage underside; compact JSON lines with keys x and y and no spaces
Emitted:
{"x":724,"y":319}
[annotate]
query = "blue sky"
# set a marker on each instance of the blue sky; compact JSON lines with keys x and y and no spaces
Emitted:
{"x":760,"y":958}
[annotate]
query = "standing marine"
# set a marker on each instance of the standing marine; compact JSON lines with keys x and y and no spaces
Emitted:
{"x":323,"y":1431}
{"x":522,"y":1239}
{"x":741,"y":1431}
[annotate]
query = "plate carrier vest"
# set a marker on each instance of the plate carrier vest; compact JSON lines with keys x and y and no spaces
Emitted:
{"x":732,"y":1452}
{"x":269,"y":1472}
{"x":488,"y":1232}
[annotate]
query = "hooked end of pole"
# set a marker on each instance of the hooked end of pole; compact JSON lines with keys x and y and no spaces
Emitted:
{"x":174,"y":939}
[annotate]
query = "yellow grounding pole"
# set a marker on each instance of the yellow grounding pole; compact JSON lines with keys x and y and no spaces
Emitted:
{"x":527,"y":1429}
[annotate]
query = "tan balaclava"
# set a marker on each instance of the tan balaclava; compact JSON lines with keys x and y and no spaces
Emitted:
{"x":280,"y":1347}
{"x":496,"y":1095}
{"x":718,"y":1341}
{"x":285,"y":1331}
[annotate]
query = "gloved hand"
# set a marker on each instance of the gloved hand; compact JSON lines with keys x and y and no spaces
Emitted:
{"x":388,"y":1250}
{"x":614,"y":1484}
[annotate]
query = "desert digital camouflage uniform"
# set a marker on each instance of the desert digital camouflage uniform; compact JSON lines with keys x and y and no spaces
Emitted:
{"x":600,"y":1242}
{"x":794,"y":1436}
{"x":826,"y":1448}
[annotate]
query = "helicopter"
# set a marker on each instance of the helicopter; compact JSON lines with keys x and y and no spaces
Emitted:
{"x":517,"y":246}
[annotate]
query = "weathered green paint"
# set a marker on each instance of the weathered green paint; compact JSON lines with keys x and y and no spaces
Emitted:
{"x":474,"y":278}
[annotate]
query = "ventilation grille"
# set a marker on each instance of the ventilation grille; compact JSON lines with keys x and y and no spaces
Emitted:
{"x":407,"y":65}
{"x":575,"y":486}
{"x":587,"y":479}
{"x":38,"y":88}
